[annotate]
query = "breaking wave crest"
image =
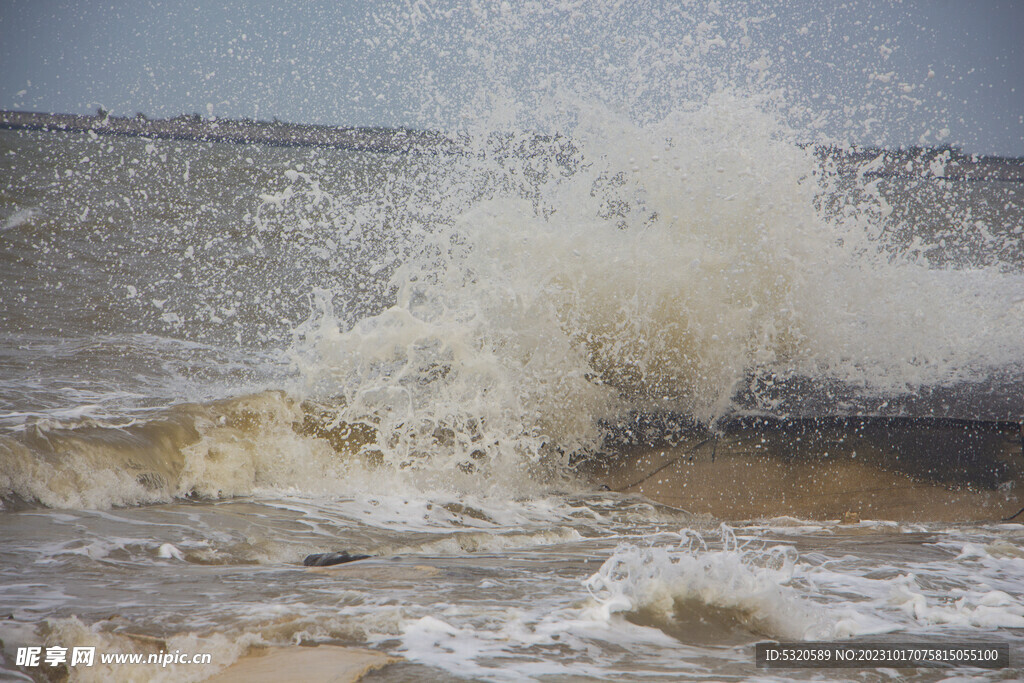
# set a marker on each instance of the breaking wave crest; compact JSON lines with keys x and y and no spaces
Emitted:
{"x":656,"y":228}
{"x":669,"y":267}
{"x":694,"y":590}
{"x":221,"y":449}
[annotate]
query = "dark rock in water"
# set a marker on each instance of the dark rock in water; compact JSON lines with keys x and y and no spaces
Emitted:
{"x":328,"y":559}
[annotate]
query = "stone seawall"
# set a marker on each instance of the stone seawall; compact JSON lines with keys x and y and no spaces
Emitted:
{"x":945,"y":164}
{"x":941,"y":164}
{"x":826,"y":468}
{"x":384,"y":140}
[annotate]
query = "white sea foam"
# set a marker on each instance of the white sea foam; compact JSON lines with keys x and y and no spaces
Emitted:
{"x":676,"y":260}
{"x":19,"y":218}
{"x":71,"y":632}
{"x":988,"y":609}
{"x":750,"y":586}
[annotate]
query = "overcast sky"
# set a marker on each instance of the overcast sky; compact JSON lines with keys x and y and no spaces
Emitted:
{"x":894,"y":73}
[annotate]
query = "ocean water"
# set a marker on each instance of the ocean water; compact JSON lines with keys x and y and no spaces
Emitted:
{"x":218,"y":359}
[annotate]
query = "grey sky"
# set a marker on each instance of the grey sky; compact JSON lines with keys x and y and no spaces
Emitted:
{"x":880,"y":72}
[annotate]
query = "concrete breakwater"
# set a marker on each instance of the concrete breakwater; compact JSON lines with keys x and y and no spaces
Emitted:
{"x":911,"y":469}
{"x":195,"y":128}
{"x":939,"y":163}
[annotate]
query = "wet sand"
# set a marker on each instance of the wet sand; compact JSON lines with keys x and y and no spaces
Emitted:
{"x":326,"y":663}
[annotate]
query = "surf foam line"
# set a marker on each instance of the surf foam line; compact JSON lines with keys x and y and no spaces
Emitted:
{"x":699,"y":584}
